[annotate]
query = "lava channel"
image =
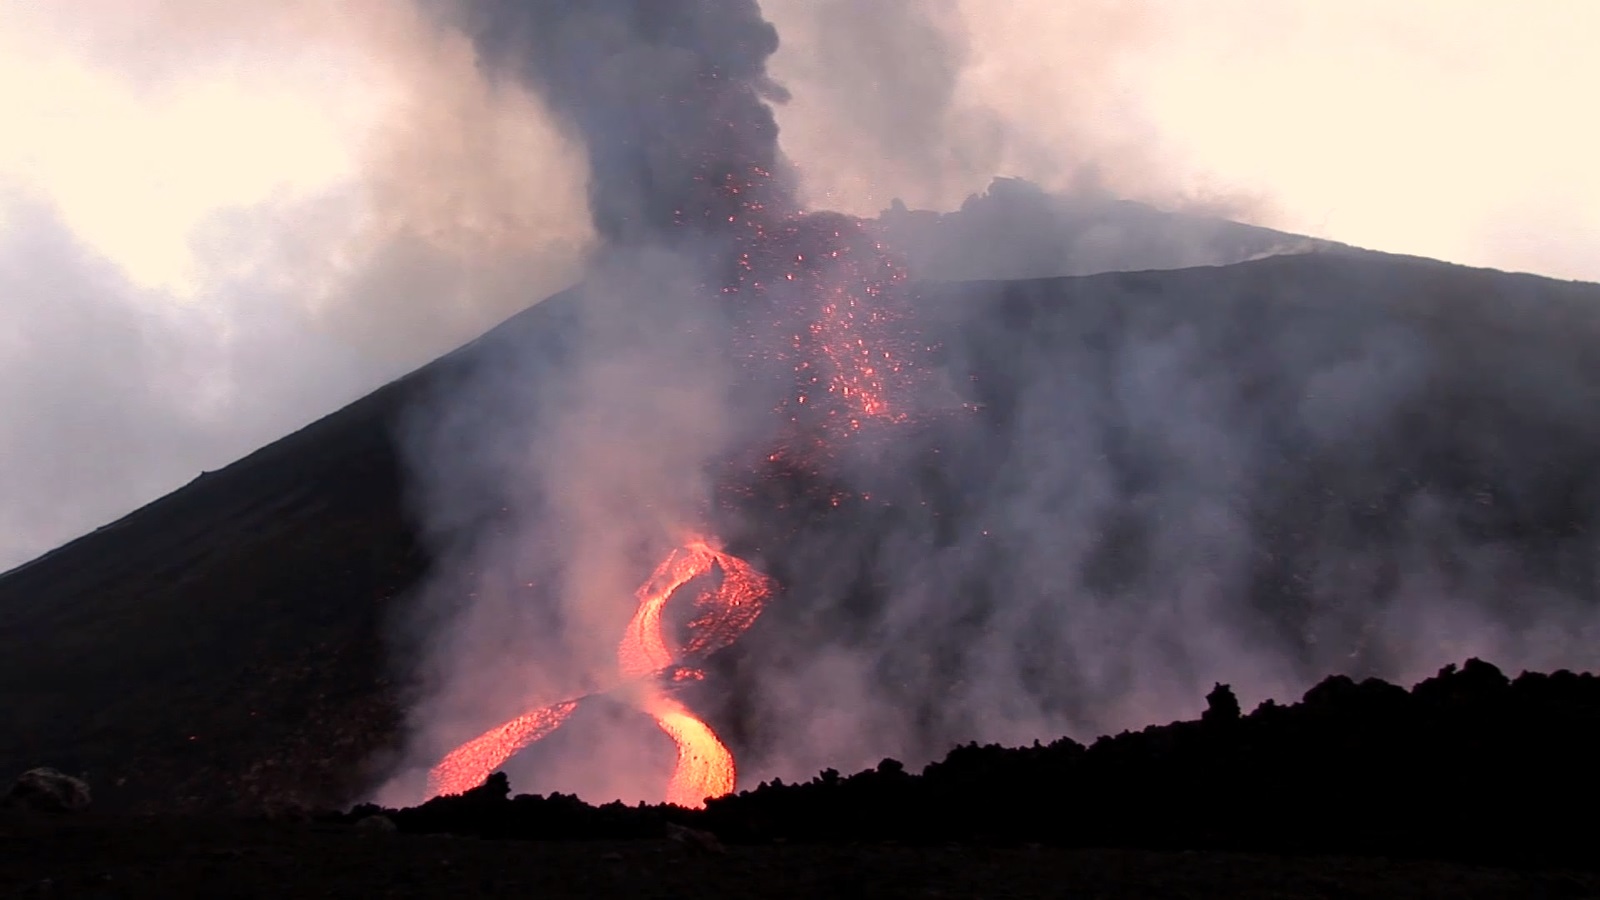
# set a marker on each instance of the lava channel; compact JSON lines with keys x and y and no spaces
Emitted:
{"x":704,"y":767}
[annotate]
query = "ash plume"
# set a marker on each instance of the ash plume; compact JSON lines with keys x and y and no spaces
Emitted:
{"x":1164,"y":480}
{"x":668,"y":98}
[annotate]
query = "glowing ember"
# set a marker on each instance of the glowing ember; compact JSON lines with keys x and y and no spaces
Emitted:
{"x":704,"y":767}
{"x":826,"y":297}
{"x":819,"y":306}
{"x":819,"y":297}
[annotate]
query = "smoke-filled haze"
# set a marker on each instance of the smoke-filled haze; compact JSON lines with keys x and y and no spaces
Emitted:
{"x":219,"y":223}
{"x":1121,"y":536}
{"x":1432,"y":128}
{"x":299,"y":201}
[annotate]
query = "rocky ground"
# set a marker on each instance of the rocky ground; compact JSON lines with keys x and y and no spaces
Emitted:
{"x":114,"y":857}
{"x":1468,"y":767}
{"x":1468,"y":785}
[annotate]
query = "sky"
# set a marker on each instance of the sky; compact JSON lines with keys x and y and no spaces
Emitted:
{"x":220,"y":222}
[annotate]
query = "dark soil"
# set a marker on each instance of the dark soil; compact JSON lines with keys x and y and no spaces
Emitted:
{"x":115,"y":857}
{"x":1467,"y":767}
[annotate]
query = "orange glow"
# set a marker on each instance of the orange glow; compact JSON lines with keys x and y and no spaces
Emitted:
{"x":643,"y":649}
{"x":824,"y":297}
{"x":704,"y":767}
{"x":469,"y":764}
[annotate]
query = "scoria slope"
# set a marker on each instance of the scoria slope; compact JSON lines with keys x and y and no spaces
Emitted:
{"x":234,"y":642}
{"x":224,"y":643}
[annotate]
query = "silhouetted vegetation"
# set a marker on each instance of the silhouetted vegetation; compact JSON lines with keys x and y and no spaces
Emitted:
{"x":1468,"y":765}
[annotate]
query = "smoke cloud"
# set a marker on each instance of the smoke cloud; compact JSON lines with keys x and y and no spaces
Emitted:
{"x":1421,"y":128}
{"x":217,"y":224}
{"x":1255,"y":475}
{"x":256,"y":213}
{"x":926,"y":102}
{"x":352,"y":159}
{"x":1258,"y":475}
{"x":668,"y":97}
{"x":580,"y":476}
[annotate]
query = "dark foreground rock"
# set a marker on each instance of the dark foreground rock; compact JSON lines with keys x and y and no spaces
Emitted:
{"x":47,"y":790}
{"x":99,"y":856}
{"x":1468,"y":766}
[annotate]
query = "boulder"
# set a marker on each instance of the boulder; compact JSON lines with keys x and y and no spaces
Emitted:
{"x":47,"y":790}
{"x":379,"y":824}
{"x":694,"y":839}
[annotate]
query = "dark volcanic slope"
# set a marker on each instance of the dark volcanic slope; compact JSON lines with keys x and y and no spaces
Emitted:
{"x":225,"y":643}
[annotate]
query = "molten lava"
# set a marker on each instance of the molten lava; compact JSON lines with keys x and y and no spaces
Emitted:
{"x":469,"y":764}
{"x":704,"y":767}
{"x":822,"y":303}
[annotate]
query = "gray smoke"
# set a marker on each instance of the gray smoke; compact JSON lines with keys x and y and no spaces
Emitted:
{"x":576,"y":461}
{"x":668,"y":98}
{"x":187,"y":276}
{"x":1260,"y":474}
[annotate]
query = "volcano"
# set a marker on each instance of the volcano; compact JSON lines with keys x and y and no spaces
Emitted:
{"x":238,"y":642}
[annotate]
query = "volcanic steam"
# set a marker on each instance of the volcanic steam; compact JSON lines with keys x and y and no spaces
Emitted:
{"x":670,"y":100}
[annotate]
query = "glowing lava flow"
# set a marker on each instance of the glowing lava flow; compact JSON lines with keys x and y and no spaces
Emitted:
{"x":819,"y":295}
{"x":469,"y":764}
{"x":704,"y":767}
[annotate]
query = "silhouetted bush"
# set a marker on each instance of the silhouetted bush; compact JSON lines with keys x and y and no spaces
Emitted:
{"x":1467,"y":765}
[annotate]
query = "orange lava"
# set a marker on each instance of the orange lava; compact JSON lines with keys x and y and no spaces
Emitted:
{"x":469,"y":764}
{"x":826,"y":300}
{"x":704,"y":767}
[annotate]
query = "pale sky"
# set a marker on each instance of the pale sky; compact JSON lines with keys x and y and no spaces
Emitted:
{"x":1458,"y":130}
{"x":219,"y":222}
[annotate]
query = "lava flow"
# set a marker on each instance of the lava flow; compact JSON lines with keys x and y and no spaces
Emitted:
{"x":704,"y":767}
{"x":817,"y":294}
{"x":820,"y":305}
